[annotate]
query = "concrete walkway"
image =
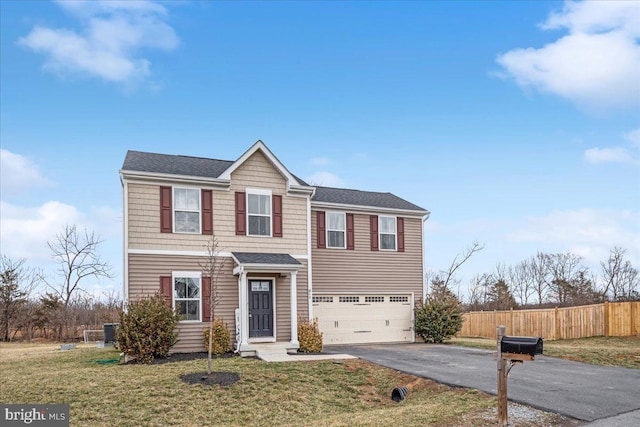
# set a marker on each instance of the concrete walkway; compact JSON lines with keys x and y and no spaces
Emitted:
{"x":302,"y":357}
{"x":278,"y":353}
{"x":579,"y":390}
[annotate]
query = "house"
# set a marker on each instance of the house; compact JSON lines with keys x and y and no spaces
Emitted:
{"x":353,"y":259}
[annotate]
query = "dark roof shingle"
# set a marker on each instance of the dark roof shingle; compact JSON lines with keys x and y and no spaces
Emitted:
{"x":363,"y":198}
{"x":265,"y":258}
{"x":212,"y":168}
{"x":174,"y":165}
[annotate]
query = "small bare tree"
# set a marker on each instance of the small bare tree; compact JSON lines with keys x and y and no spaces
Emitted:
{"x":619,"y":276}
{"x":213,"y":265}
{"x":540,"y":275}
{"x":630,"y":289}
{"x":522,"y":280}
{"x":564,"y":270}
{"x":77,"y":256}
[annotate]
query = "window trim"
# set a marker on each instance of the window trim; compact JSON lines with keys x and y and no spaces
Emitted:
{"x":174,"y":210}
{"x":380,"y":233}
{"x":326,"y":230}
{"x":186,"y":275}
{"x":259,"y":192}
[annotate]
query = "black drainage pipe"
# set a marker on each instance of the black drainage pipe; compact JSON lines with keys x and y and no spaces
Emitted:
{"x":399,"y":393}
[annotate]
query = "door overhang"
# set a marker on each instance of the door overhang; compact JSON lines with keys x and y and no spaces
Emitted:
{"x":253,"y":262}
{"x":249,"y":263}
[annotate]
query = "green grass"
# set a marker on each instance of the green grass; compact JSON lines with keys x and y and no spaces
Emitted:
{"x":607,"y":351}
{"x":303,"y":393}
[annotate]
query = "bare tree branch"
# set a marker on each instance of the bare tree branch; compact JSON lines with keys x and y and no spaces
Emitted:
{"x":459,"y":260}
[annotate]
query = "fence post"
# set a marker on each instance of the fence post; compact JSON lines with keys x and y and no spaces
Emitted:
{"x":634,"y":330}
{"x":502,"y":381}
{"x":512,"y":331}
{"x":556,"y":331}
{"x":606,"y":318}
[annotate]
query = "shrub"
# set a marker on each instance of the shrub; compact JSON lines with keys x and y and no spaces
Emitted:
{"x":438,"y":319}
{"x":309,"y":336}
{"x":147,"y":329}
{"x":221,"y":337}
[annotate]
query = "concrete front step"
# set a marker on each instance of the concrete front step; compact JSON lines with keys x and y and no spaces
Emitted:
{"x":276,"y":353}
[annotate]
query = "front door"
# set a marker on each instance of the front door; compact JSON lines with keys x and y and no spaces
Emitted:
{"x":260,"y":308}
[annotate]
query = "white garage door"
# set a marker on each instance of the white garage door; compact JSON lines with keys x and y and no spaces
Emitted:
{"x":352,"y":319}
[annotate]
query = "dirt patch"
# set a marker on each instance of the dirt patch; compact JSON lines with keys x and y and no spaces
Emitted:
{"x":216,"y":378}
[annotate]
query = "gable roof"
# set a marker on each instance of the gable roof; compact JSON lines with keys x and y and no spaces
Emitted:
{"x":345,"y":196}
{"x":200,"y":167}
{"x":260,"y":146}
{"x":174,"y":164}
{"x":171,"y":164}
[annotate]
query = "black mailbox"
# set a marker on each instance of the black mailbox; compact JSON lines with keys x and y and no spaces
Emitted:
{"x":521,"y":345}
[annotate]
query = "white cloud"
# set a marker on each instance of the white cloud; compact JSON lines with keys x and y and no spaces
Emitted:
{"x":26,"y":230}
{"x":587,"y":232}
{"x":596,"y":65}
{"x":608,"y":155}
{"x":18,"y":173}
{"x":320,"y":161}
{"x":106,"y":47}
{"x":633,"y":137}
{"x":617,"y":154}
{"x":326,"y":179}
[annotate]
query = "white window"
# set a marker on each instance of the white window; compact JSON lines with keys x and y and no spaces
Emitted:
{"x":186,"y":210}
{"x":388,"y":234}
{"x":336,"y":226}
{"x":187,"y":295}
{"x":259,"y":212}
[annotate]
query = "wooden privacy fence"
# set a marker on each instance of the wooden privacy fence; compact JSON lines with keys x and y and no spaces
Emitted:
{"x":615,"y":319}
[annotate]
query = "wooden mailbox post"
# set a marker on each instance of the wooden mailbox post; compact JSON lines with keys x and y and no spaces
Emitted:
{"x":511,"y":350}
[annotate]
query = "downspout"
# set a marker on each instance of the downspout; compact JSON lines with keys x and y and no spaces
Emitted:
{"x":238,"y":314}
{"x":125,"y":242}
{"x":425,"y":285}
{"x":309,"y":262}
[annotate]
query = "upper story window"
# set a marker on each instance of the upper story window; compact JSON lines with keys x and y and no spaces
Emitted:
{"x":336,"y":230}
{"x":259,"y":212}
{"x":388,"y":233}
{"x":186,"y":210}
{"x":187,"y":295}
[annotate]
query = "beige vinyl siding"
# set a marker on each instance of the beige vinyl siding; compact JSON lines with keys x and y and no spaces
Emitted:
{"x":144,"y":280}
{"x":364,"y":271}
{"x":255,"y":172}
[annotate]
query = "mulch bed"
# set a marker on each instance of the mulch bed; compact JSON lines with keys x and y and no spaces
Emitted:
{"x":222,"y":378}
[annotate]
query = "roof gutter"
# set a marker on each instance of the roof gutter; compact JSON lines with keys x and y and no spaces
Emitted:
{"x":163,"y":177}
{"x":369,"y":209}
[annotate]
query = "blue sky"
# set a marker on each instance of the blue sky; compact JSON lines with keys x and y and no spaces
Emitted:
{"x":516,"y":124}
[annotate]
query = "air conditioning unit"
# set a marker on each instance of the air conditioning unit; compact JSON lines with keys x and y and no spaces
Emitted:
{"x":110,"y":332}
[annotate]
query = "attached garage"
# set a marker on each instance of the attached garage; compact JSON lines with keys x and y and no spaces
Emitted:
{"x":365,"y":318}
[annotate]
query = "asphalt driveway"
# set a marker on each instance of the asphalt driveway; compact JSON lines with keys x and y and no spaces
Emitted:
{"x":579,"y":390}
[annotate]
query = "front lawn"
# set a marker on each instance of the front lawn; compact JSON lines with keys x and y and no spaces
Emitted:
{"x":322,"y":393}
{"x":607,"y":351}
